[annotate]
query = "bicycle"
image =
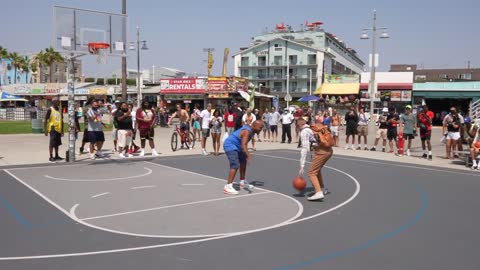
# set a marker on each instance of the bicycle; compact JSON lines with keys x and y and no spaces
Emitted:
{"x":189,"y":142}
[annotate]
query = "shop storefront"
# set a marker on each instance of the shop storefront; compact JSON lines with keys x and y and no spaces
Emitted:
{"x":441,"y":96}
{"x":189,"y":91}
{"x":222,"y":91}
{"x":339,"y":92}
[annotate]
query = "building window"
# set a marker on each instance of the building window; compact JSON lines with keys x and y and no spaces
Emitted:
{"x":244,"y":73}
{"x":443,"y":76}
{"x":292,"y":59}
{"x":312,"y":59}
{"x":277,"y":47}
{"x":56,"y":68}
{"x":277,"y":60}
{"x":262,"y":74}
{"x":277,"y":73}
{"x":420,"y":77}
{"x":277,"y":86}
{"x":465,"y":76}
{"x":293,"y":86}
{"x":244,"y":62}
{"x":262,"y":60}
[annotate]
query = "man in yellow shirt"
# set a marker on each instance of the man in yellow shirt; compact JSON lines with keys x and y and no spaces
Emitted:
{"x":54,"y":126}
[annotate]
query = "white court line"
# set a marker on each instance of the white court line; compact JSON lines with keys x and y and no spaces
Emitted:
{"x":192,"y":184}
{"x":110,"y":251}
{"x":168,"y":206}
{"x":99,"y":195}
{"x":101,"y":180}
{"x":452,"y":171}
{"x":142,"y":187}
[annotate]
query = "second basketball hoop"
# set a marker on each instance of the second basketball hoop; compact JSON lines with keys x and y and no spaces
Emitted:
{"x":99,"y":49}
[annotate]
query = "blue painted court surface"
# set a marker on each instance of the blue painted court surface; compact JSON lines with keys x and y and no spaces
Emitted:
{"x":171,"y":213}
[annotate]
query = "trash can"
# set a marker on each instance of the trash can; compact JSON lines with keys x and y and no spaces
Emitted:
{"x":37,"y":126}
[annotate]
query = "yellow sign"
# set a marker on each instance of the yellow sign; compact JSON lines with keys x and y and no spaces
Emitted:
{"x":97,"y":91}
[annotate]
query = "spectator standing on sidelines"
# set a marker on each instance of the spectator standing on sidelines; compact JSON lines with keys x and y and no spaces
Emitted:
{"x":392,"y":123}
{"x":408,"y":127}
{"x":216,"y":128}
{"x":96,"y":136}
{"x":196,"y":123}
{"x":123,"y":117}
{"x":238,"y":116}
{"x":116,"y":107}
{"x":248,"y":119}
{"x":351,"y":118}
{"x":85,"y":122}
{"x":273,"y":123}
{"x":145,"y":117}
{"x":334,"y":127}
{"x":229,"y":118}
{"x":425,"y":125}
{"x":54,"y":126}
{"x":205,"y":117}
{"x":266,"y":124}
{"x":362,"y":129}
{"x":451,"y":129}
{"x":382,"y":131}
{"x":287,"y":120}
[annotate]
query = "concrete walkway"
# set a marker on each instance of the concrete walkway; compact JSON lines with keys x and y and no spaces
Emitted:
{"x":33,"y":149}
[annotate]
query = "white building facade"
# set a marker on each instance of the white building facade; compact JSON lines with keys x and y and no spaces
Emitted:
{"x":304,"y":55}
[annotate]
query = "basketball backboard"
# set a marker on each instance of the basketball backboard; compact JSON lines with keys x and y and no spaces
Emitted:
{"x":75,"y":28}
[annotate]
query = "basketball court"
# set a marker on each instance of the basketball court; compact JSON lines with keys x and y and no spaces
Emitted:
{"x":171,"y":213}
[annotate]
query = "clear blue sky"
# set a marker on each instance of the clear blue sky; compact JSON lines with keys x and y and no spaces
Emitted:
{"x":430,"y":33}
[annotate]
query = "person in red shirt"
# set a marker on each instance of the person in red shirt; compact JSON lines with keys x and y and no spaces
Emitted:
{"x":229,"y":118}
{"x":424,"y":123}
{"x":145,"y":117}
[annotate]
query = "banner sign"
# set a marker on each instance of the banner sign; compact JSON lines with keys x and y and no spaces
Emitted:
{"x":179,"y":86}
{"x":98,"y":91}
{"x":182,"y":97}
{"x":218,"y":95}
{"x":218,"y":84}
{"x":342,"y":78}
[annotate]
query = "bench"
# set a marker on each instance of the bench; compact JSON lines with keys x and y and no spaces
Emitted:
{"x":463,"y":155}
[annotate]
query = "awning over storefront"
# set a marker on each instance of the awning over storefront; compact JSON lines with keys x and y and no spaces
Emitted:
{"x":338,"y":89}
{"x":447,"y":94}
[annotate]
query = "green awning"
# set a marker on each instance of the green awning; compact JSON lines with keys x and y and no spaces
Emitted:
{"x":447,"y":94}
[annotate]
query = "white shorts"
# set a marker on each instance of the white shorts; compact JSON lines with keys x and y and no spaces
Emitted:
{"x":453,"y":136}
{"x":114,"y":134}
{"x":124,"y":138}
{"x":334,"y":130}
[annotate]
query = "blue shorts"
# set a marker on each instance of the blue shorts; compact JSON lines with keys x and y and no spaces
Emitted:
{"x":236,"y":158}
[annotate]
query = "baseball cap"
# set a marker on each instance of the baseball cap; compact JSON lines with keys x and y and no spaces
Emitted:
{"x":118,"y":101}
{"x":385,"y":109}
{"x":409,"y":107}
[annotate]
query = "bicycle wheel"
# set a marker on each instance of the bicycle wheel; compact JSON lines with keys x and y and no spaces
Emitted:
{"x":190,"y":140}
{"x":174,"y":141}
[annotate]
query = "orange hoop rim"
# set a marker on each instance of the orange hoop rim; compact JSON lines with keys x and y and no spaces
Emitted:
{"x":96,"y":46}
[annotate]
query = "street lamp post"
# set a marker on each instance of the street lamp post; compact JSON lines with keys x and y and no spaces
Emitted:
{"x":310,"y":71}
{"x":144,"y":47}
{"x":372,"y":84}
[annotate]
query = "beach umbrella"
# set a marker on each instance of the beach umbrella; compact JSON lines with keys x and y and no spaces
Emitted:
{"x":309,"y":98}
{"x":4,"y":96}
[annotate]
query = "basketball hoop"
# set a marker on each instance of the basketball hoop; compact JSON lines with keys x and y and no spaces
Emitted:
{"x":100,"y":49}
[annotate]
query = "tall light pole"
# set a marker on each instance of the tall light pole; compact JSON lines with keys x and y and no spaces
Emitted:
{"x":310,"y":71}
{"x":144,"y":47}
{"x":124,"y":58}
{"x":384,"y":35}
{"x":288,"y":98}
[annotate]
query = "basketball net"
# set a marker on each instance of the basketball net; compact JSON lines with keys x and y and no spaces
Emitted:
{"x":99,"y":49}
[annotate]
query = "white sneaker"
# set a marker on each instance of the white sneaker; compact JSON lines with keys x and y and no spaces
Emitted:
{"x":316,"y":196}
{"x":245,"y":184}
{"x":154,"y":153}
{"x":228,"y":189}
{"x":204,"y":152}
{"x":346,"y":148}
{"x":142,"y":153}
{"x":128,"y":155}
{"x":121,"y":155}
{"x":474,"y":167}
{"x":408,"y":152}
{"x":93,"y":157}
{"x":100,"y":154}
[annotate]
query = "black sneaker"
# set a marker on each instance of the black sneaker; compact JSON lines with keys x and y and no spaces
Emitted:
{"x":429,"y":157}
{"x":359,"y":148}
{"x":373,"y":149}
{"x":424,"y":156}
{"x":81,"y":150}
{"x":366,"y":149}
{"x":51,"y":159}
{"x":383,"y":150}
{"x":58,"y":158}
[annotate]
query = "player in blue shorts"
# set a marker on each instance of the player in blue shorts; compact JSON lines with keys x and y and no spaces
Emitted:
{"x":236,"y":150}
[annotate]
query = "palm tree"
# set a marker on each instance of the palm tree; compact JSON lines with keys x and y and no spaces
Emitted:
{"x":25,"y":66}
{"x":3,"y":55}
{"x":49,"y":57}
{"x":16,"y":63}
{"x":34,"y":69}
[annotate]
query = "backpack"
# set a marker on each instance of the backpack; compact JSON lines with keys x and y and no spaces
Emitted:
{"x":322,"y":137}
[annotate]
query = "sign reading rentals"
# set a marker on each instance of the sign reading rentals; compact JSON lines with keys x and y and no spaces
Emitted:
{"x":179,"y":86}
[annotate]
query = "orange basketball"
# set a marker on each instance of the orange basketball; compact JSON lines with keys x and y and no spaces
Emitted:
{"x":477,"y":144}
{"x":299,"y":183}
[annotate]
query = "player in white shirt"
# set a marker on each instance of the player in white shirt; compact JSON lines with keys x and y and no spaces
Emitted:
{"x":205,"y":117}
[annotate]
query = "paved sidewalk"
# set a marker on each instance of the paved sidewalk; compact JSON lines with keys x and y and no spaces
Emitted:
{"x":33,"y":149}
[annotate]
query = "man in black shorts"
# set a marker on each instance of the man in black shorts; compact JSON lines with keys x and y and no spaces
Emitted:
{"x":392,"y":122}
{"x":351,"y":118}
